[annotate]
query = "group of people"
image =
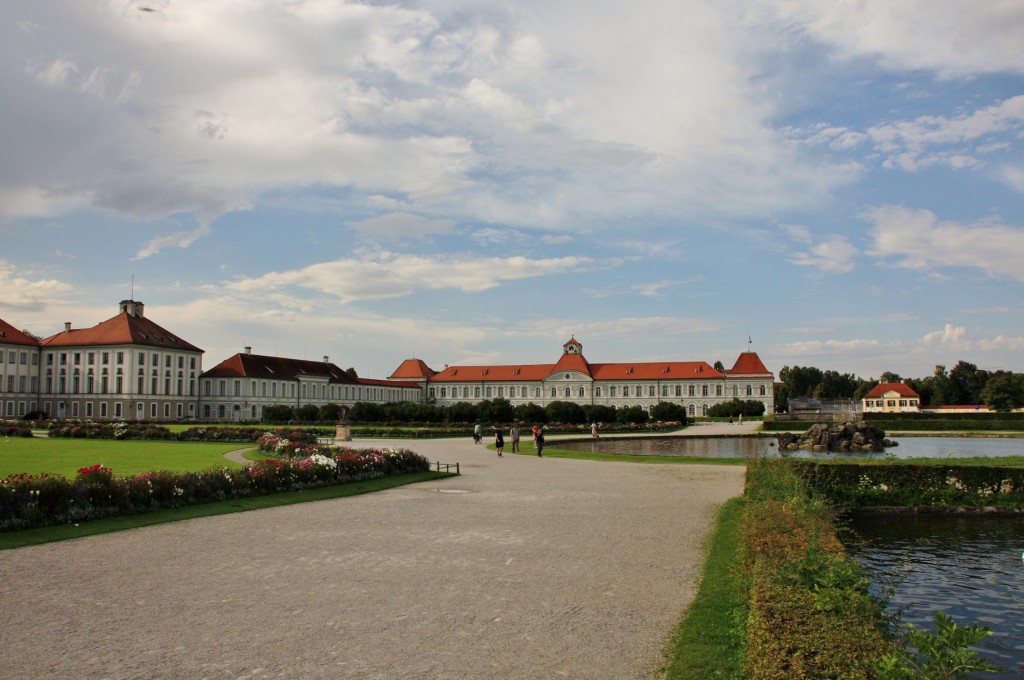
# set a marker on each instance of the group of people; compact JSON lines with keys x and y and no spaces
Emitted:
{"x":513,"y":435}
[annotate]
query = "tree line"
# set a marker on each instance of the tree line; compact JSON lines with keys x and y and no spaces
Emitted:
{"x":487,"y":411}
{"x":965,"y":383}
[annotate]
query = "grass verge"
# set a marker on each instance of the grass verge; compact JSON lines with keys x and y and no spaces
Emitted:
{"x":710,"y":641}
{"x":18,"y":539}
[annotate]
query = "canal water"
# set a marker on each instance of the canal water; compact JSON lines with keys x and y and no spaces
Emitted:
{"x":969,"y":567}
{"x":742,"y":447}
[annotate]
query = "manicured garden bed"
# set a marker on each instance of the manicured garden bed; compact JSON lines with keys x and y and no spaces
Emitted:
{"x":41,"y":499}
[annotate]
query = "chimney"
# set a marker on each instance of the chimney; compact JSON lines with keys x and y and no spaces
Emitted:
{"x":67,"y":326}
{"x":326,"y":361}
{"x":248,"y":349}
{"x":132,"y":308}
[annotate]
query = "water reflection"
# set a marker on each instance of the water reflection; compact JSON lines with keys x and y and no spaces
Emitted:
{"x":969,"y":567}
{"x":740,"y":447}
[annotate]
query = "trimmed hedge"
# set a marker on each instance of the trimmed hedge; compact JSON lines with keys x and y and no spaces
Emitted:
{"x":978,"y":415}
{"x":912,"y":424}
{"x":86,"y":429}
{"x":810,"y":613}
{"x":850,"y":485}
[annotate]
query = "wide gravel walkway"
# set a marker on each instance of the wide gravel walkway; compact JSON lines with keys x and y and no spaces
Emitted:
{"x":520,"y":568}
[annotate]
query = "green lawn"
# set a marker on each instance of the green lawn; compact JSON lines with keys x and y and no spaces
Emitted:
{"x":65,"y":456}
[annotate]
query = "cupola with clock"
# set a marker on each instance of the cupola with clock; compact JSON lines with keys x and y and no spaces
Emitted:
{"x":572,"y":347}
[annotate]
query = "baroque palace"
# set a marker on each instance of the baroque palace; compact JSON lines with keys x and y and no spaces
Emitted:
{"x":129,"y":367}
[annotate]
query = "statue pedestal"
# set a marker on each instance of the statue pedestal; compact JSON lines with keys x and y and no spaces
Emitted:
{"x":343,"y":432}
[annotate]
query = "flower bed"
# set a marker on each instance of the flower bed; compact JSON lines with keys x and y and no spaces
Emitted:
{"x":15,"y":428}
{"x":41,"y":500}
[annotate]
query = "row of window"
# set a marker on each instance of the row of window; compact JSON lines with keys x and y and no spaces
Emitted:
{"x":523,"y":392}
{"x":310,"y":391}
{"x":890,"y":403}
{"x":90,"y":359}
{"x":23,"y":384}
{"x":15,"y":357}
{"x":102,"y":409}
{"x":76,"y":385}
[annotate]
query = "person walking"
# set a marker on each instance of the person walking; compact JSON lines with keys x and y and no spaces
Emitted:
{"x":478,"y":433}
{"x":499,"y":442}
{"x":513,"y":434}
{"x":538,"y":441}
{"x":593,"y":429}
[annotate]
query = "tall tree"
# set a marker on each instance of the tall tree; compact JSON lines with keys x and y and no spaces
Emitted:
{"x":966,"y":382}
{"x":1004,"y":391}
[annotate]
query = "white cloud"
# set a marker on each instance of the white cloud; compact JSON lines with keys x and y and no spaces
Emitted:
{"x":653,"y":289}
{"x":916,"y":239}
{"x":22,"y":293}
{"x":950,"y":37}
{"x":955,"y":141}
{"x":908,"y":144}
{"x":833,"y":255}
{"x":388,"y":275}
{"x":180,"y":239}
{"x":1001,"y":342}
{"x":531,"y":118}
{"x":954,"y":336}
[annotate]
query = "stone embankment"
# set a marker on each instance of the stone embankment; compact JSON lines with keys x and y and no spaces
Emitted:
{"x":849,"y":437}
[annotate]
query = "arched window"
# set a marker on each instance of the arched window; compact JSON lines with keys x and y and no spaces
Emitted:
{"x":568,"y":391}
{"x":583,"y":391}
{"x":750,"y":391}
{"x":693,"y":410}
{"x":704,"y":410}
{"x":554,"y":392}
{"x":762,"y":390}
{"x":597,"y":391}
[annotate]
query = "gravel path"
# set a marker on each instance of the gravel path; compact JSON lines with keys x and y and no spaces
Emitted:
{"x":520,"y":568}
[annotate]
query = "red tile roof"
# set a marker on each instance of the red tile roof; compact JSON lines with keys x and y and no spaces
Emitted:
{"x":748,"y":363}
{"x":245,"y":365}
{"x":123,"y":329}
{"x":655,"y":370}
{"x":902,"y":389}
{"x":12,"y":336}
{"x":412,"y":369}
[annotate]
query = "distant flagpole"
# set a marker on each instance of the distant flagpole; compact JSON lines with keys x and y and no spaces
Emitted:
{"x":748,"y":342}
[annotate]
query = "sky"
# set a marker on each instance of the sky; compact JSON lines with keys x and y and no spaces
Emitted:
{"x":830,"y":184}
